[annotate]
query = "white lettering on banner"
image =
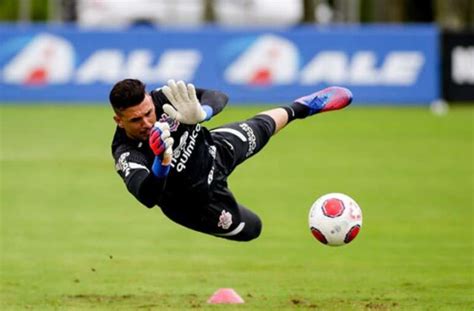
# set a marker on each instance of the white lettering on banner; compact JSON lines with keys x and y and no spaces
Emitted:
{"x":111,"y":65}
{"x":269,"y":60}
{"x":328,"y":66}
{"x":140,"y":64}
{"x":462,"y":60}
{"x":398,"y":68}
{"x":272,"y":59}
{"x":362,"y":69}
{"x":178,"y":65}
{"x":402,"y":68}
{"x":49,"y":59}
{"x":103,"y":66}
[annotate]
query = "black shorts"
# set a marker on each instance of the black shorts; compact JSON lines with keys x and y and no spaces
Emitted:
{"x":235,"y":143}
{"x":223,"y":216}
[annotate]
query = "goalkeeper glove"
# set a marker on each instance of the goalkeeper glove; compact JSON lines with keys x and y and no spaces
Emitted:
{"x":185,"y":106}
{"x":161,"y":143}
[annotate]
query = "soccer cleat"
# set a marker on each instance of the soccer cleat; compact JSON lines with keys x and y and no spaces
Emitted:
{"x":331,"y":98}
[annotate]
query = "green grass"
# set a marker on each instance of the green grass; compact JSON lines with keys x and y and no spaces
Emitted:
{"x":72,"y":238}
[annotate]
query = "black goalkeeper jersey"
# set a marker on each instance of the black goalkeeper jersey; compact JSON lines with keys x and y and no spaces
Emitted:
{"x":192,"y":166}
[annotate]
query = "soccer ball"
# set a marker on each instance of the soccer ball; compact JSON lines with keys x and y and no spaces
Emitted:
{"x":335,"y":219}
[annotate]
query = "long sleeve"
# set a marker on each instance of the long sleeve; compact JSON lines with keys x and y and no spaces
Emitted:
{"x":131,"y":165}
{"x":215,"y":99}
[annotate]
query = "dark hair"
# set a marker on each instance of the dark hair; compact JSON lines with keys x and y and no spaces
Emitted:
{"x":126,"y":93}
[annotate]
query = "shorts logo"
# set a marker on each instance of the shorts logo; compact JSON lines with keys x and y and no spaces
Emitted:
{"x":251,"y":137}
{"x":225,"y":220}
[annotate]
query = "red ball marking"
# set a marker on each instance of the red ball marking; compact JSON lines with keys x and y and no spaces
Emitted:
{"x":333,"y":208}
{"x":352,"y":234}
{"x":318,"y":235}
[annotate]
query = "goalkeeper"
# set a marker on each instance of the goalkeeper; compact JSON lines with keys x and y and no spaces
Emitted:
{"x":167,"y":158}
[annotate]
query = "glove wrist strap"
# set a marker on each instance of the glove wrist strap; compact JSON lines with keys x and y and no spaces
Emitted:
{"x":208,"y":110}
{"x":158,"y":169}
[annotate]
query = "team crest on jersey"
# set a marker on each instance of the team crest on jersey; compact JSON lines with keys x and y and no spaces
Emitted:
{"x":225,"y":220}
{"x":174,"y":124}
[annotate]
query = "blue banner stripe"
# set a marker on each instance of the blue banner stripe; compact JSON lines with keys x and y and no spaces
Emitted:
{"x":380,"y":64}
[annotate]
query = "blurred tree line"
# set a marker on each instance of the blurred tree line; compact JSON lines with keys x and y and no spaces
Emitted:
{"x":11,"y":10}
{"x":452,"y":14}
{"x":449,"y":14}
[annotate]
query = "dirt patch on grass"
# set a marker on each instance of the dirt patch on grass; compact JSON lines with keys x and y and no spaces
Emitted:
{"x":302,"y":303}
{"x":140,"y":302}
{"x":100,"y":298}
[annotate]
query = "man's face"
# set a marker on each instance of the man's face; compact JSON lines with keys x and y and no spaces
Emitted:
{"x":138,"y":120}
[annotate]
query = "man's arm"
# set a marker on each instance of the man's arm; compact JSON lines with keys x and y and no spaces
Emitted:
{"x":214,"y":99}
{"x":143,"y":184}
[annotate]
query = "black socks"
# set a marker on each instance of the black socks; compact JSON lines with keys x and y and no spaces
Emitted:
{"x":296,"y":111}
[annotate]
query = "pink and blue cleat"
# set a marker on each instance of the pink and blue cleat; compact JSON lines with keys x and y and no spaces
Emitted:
{"x":331,"y":98}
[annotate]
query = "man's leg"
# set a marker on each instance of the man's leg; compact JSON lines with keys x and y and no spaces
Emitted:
{"x":331,"y":98}
{"x":240,"y":140}
{"x":279,"y":116}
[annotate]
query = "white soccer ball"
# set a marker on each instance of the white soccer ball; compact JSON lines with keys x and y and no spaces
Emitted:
{"x":335,"y":219}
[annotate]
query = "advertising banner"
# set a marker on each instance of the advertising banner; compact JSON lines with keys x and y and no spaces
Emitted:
{"x":380,"y":64}
{"x":458,"y":66}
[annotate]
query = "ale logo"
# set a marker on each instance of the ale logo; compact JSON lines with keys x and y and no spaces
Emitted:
{"x":45,"y":59}
{"x":50,"y":59}
{"x":268,"y":59}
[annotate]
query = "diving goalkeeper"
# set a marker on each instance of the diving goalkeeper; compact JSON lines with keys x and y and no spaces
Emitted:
{"x":167,"y":158}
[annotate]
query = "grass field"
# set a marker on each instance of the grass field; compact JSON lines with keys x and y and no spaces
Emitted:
{"x":72,"y":238}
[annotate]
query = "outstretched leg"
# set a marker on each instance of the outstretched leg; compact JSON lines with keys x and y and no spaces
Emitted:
{"x":240,"y":140}
{"x":331,"y":98}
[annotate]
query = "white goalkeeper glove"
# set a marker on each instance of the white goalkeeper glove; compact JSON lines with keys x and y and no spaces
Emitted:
{"x":185,"y":106}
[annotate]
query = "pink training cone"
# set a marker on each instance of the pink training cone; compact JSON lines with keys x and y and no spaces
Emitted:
{"x":225,"y":295}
